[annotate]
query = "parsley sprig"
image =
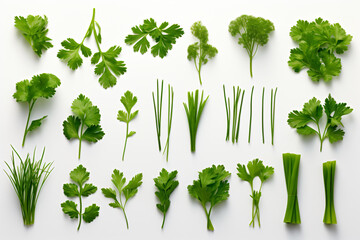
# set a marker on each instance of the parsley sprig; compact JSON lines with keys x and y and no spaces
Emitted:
{"x":34,"y":30}
{"x":211,"y":189}
{"x":129,"y":101}
{"x":318,"y":42}
{"x":125,"y":191}
{"x":256,"y":168}
{"x":165,"y":185}
{"x":79,"y":189}
{"x":312,"y":112}
{"x":40,"y":86}
{"x":107,"y":67}
{"x":163,"y":35}
{"x":200,"y":51}
{"x":85,"y":123}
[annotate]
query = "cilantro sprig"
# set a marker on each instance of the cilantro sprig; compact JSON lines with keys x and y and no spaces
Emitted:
{"x":200,"y":51}
{"x":129,"y":101}
{"x":165,"y":184}
{"x":211,"y":189}
{"x":79,"y":189}
{"x":124,"y":191}
{"x":34,"y":30}
{"x":256,"y":168}
{"x":40,"y":86}
{"x":107,"y":67}
{"x":253,"y":32}
{"x":85,"y":123}
{"x":312,"y":113}
{"x":164,"y":36}
{"x":318,"y":42}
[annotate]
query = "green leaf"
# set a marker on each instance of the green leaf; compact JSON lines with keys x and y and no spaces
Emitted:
{"x":334,"y":134}
{"x":298,"y":119}
{"x":71,"y":127}
{"x":93,"y":133}
{"x":83,"y":108}
{"x":122,"y":116}
{"x":91,"y":213}
{"x":71,"y":190}
{"x":69,"y":208}
{"x":36,"y":124}
{"x":243,"y":174}
{"x":88,"y":189}
{"x":34,"y":30}
{"x":79,"y":175}
{"x":70,"y":53}
{"x":23,"y":93}
{"x":128,"y":100}
{"x":163,"y":35}
{"x":131,"y":133}
{"x":118,"y":180}
{"x":109,"y":193}
{"x":306,"y":130}
{"x":109,"y":66}
{"x":132,"y":187}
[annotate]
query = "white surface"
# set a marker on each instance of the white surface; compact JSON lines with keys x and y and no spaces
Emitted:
{"x":185,"y":219}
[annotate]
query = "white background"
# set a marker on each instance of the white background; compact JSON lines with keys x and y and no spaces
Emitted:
{"x":185,"y":219}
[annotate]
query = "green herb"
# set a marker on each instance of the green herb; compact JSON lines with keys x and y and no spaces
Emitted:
{"x":79,"y":176}
{"x":127,"y":191}
{"x":165,"y":185}
{"x":236,"y":113}
{"x":170,"y":114}
{"x":251,"y":98}
{"x":40,"y":86}
{"x":158,"y":110}
{"x":329,"y":177}
{"x":211,"y":188}
{"x":27,"y":179}
{"x":200,"y":51}
{"x":312,"y":113}
{"x":262,"y":115}
{"x":256,"y":168}
{"x":291,"y":168}
{"x":193,"y":111}
{"x":86,"y":118}
{"x":318,"y":42}
{"x":106,"y":68}
{"x":34,"y":30}
{"x":272,"y":114}
{"x":253,"y":31}
{"x":129,"y":101}
{"x":163,"y":35}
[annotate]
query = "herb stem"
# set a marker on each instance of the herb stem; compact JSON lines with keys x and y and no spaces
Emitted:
{"x":31,"y":105}
{"x":127,"y":223}
{"x":127,"y":134}
{"x":227,"y":108}
{"x":272,"y":109}
{"x":238,"y":122}
{"x":251,"y":98}
{"x":80,"y":214}
{"x":158,"y":110}
{"x":163,"y":222}
{"x":262,"y":116}
{"x":80,"y":138}
{"x":170,"y":114}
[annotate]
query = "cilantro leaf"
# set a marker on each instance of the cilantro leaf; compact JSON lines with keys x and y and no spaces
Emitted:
{"x":91,"y":213}
{"x":108,"y":68}
{"x":318,"y":42}
{"x":125,"y":191}
{"x":165,"y":185}
{"x":79,"y":189}
{"x":34,"y":30}
{"x":211,"y":188}
{"x":40,"y":86}
{"x":200,"y":51}
{"x":253,"y":32}
{"x":85,"y":123}
{"x":256,"y":168}
{"x":128,"y":101}
{"x":312,"y":113}
{"x":163,"y":35}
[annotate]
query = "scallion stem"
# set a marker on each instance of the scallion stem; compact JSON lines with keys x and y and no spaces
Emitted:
{"x":251,"y":98}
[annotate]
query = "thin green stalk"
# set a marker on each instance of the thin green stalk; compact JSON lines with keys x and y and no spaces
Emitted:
{"x":236,"y":97}
{"x":227,"y":108}
{"x":251,"y":98}
{"x":158,"y":110}
{"x":251,"y":58}
{"x":127,"y":134}
{"x":80,"y":138}
{"x":127,"y":223}
{"x":238,"y":122}
{"x":272,"y":114}
{"x":163,"y":222}
{"x":80,"y":213}
{"x":262,"y":116}
{"x":170,"y":114}
{"x":31,"y":105}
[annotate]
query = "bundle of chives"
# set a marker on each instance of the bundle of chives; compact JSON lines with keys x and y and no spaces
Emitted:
{"x":329,"y":176}
{"x":291,"y":168}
